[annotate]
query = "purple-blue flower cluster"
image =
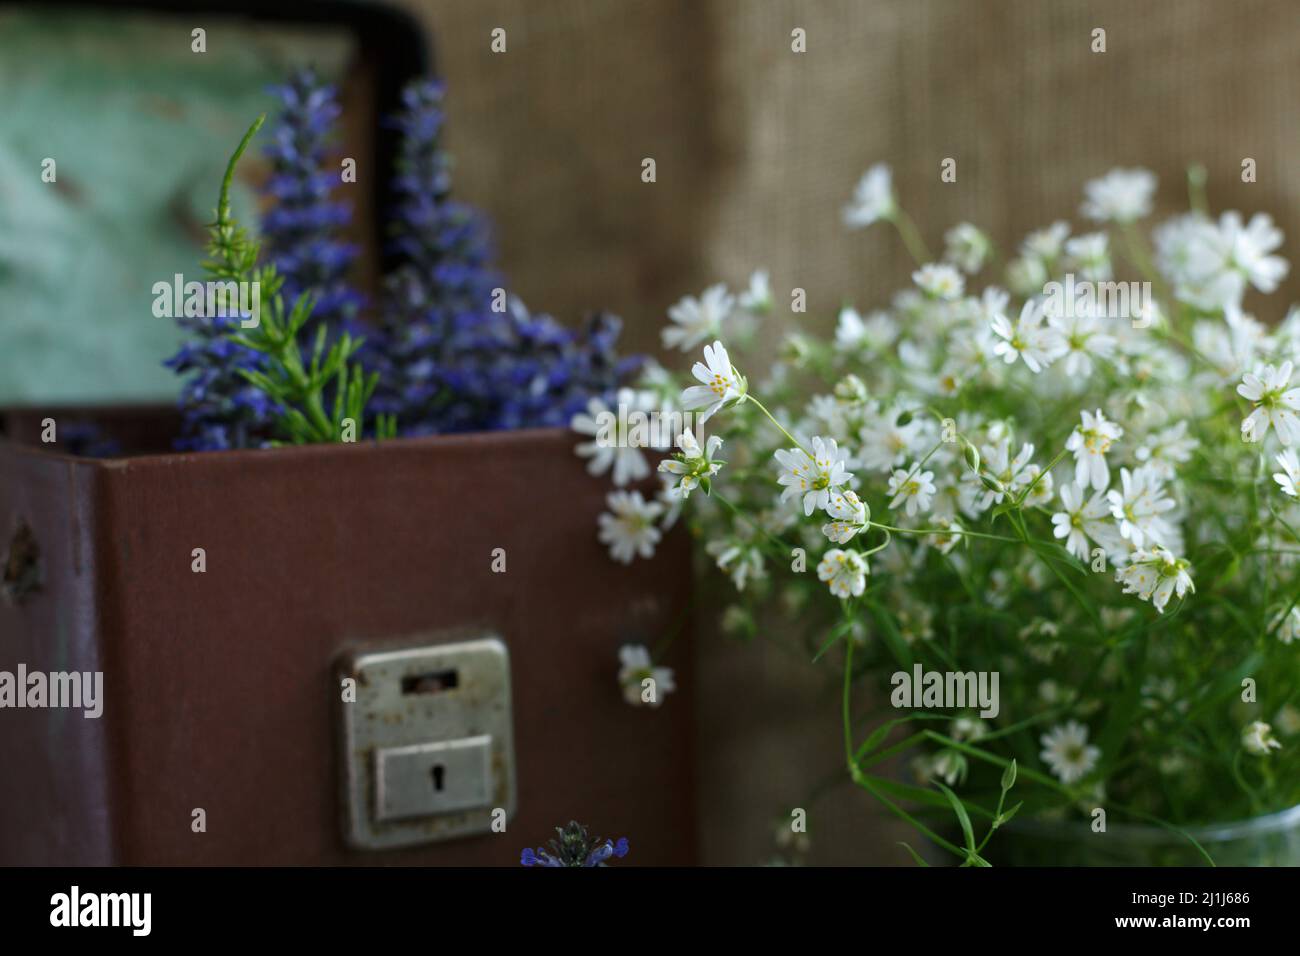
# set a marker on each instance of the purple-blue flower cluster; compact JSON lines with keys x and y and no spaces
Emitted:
{"x":453,"y":351}
{"x":220,"y":409}
{"x":302,"y":229}
{"x":462,"y":354}
{"x":574,"y":847}
{"x":437,"y":303}
{"x":541,"y":373}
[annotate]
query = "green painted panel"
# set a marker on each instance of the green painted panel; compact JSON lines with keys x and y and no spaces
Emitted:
{"x":139,"y":126}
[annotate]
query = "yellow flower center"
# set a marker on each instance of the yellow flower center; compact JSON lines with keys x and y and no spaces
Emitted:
{"x":1096,"y":442}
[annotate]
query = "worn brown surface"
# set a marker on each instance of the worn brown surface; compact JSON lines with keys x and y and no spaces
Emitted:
{"x":219,"y":686}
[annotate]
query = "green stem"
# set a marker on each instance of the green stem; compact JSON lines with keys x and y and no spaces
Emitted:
{"x":864,"y":781}
{"x":763,"y":408}
{"x":880,"y":547}
{"x":848,"y":678}
{"x":1196,"y":177}
{"x":785,"y":548}
{"x":911,"y":236}
{"x":1050,"y":465}
{"x":314,"y":404}
{"x":223,"y":204}
{"x":1049,"y":783}
{"x":1140,"y":254}
{"x":921,"y":464}
{"x":679,"y":625}
{"x":961,"y":531}
{"x":861,"y":779}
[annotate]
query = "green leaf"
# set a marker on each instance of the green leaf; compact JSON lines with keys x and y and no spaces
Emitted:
{"x":877,"y":736}
{"x":223,"y":201}
{"x":260,"y":381}
{"x":921,"y":795}
{"x":1007,"y":814}
{"x":890,"y":633}
{"x":1123,"y":711}
{"x":916,"y":857}
{"x":837,"y":632}
{"x":962,"y":817}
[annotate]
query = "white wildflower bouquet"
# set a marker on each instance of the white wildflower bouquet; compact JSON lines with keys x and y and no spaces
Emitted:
{"x":1073,"y":488}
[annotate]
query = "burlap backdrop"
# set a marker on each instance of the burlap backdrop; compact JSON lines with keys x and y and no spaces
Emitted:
{"x":757,"y":148}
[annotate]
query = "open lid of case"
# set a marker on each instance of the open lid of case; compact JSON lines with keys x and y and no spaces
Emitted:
{"x":139,"y":126}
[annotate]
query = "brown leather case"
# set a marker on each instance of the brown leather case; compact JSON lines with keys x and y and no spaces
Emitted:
{"x":219,"y":686}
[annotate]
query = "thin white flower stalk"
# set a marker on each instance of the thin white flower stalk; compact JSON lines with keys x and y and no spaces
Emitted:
{"x":976,"y":476}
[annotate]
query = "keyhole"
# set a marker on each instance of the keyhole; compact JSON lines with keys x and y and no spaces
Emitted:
{"x":437,"y":774}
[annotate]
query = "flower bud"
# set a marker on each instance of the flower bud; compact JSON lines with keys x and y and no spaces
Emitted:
{"x":851,"y":389}
{"x":1009,"y":776}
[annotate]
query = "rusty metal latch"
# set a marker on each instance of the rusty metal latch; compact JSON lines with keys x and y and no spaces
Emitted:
{"x":427,"y":738}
